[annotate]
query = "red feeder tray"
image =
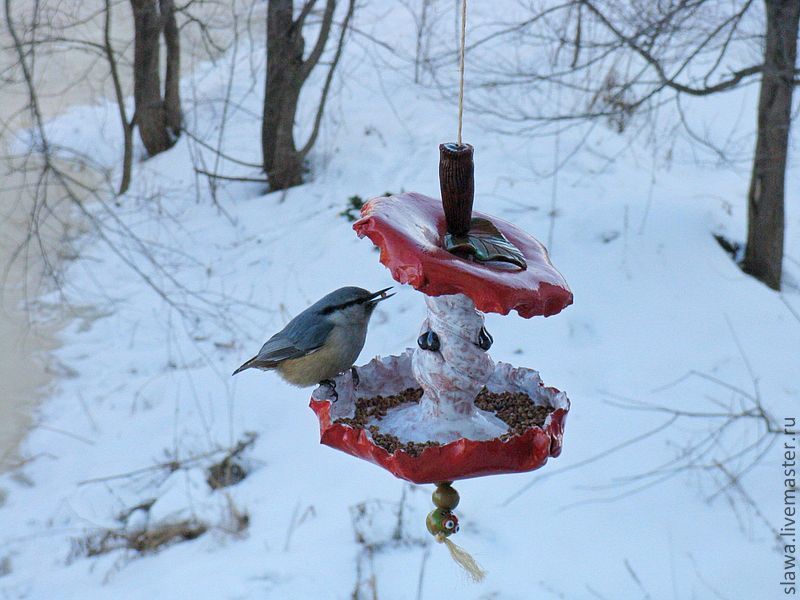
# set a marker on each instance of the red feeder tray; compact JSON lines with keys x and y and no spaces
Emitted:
{"x":459,"y":459}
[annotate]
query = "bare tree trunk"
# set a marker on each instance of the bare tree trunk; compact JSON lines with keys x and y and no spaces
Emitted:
{"x":151,"y":113}
{"x":127,"y":126}
{"x":287,"y":71}
{"x":764,"y":252}
{"x":172,"y":79}
{"x":282,"y":163}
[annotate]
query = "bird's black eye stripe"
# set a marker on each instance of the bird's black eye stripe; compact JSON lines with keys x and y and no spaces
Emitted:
{"x":329,"y":309}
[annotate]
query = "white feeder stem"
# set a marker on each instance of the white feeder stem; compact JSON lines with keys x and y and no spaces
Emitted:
{"x":451,"y":376}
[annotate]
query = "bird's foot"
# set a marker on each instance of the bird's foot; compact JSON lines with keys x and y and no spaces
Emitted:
{"x":356,"y":378}
{"x":331,"y":384}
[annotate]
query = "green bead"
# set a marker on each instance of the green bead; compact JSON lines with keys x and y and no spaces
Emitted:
{"x":441,"y":521}
{"x":445,"y":497}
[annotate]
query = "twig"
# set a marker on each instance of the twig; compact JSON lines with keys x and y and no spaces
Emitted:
{"x":229,"y":178}
{"x":175,"y":465}
{"x":790,"y":307}
{"x":595,"y":458}
{"x":290,"y":529}
{"x":421,"y":581}
{"x":218,"y":151}
{"x":636,"y":579}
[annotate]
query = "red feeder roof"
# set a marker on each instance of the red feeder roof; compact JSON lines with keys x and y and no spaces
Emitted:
{"x":408,"y":229}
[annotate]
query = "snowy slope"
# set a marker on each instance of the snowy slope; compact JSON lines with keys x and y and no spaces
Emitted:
{"x":655,"y":299}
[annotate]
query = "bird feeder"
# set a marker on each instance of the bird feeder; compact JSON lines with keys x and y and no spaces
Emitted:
{"x":445,"y":411}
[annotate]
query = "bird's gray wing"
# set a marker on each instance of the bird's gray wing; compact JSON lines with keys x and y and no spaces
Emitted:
{"x":303,"y":335}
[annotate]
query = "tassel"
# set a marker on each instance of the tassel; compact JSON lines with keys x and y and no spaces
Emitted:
{"x":442,"y":523}
{"x":463,"y":558}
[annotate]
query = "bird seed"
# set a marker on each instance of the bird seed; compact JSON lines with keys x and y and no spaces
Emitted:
{"x":516,"y":409}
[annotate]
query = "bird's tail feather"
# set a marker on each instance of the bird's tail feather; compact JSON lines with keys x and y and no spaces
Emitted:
{"x":247,"y":365}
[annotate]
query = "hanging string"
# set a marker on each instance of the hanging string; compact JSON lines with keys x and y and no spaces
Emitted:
{"x":461,"y":67}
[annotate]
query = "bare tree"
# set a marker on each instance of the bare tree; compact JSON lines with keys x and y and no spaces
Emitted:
{"x":56,"y":176}
{"x":287,"y":72}
{"x":764,"y":251}
{"x":620,"y":59}
{"x":157,"y":116}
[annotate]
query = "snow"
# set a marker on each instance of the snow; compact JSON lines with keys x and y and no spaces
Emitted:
{"x":659,"y":311}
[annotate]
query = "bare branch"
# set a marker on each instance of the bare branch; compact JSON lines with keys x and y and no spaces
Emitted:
{"x":308,"y":6}
{"x":219,"y":152}
{"x":328,"y":79}
{"x":325,"y":29}
{"x":735,"y":78}
{"x":229,"y":178}
{"x":127,"y":126}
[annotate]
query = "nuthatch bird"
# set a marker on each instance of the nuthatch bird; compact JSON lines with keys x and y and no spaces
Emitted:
{"x":322,"y":341}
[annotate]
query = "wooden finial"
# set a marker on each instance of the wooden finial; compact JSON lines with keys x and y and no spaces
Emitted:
{"x":457,"y":182}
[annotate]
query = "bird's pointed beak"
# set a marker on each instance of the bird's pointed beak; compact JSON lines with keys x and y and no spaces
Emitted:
{"x":380,"y":295}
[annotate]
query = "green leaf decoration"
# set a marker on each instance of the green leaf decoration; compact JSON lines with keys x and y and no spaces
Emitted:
{"x":485,"y":242}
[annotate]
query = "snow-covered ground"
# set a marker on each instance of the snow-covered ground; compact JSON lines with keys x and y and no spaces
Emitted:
{"x":662,"y":318}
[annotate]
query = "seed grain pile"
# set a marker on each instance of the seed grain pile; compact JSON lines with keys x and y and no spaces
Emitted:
{"x":514,"y":408}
